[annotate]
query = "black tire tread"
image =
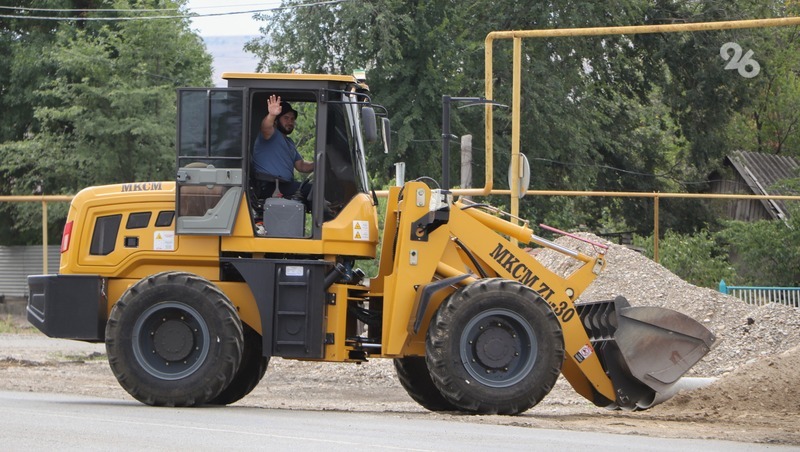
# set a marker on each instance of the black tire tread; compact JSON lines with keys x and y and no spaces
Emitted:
{"x":439,"y":356}
{"x":412,"y":372}
{"x":251,"y":370}
{"x":213,"y":384}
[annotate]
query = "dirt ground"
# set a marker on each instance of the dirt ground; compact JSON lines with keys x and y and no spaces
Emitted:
{"x":757,"y":403}
{"x":755,"y":396}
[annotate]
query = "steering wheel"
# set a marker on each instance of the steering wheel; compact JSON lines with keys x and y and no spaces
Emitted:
{"x":298,"y":195}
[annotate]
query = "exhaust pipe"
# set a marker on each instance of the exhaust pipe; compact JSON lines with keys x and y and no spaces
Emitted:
{"x":644,"y":350}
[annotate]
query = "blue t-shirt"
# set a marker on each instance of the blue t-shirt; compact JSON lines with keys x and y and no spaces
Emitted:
{"x":275,"y":156}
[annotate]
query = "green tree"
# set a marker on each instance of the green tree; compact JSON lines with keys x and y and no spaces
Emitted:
{"x":399,"y":43}
{"x":104,"y":110}
{"x":721,"y":110}
{"x":22,"y":42}
{"x":417,"y":51}
{"x":696,"y":258}
{"x":771,"y":122}
{"x":631,"y":113}
{"x":765,"y":253}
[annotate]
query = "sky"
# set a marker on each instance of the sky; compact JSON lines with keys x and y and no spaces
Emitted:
{"x":224,"y":34}
{"x":229,"y":24}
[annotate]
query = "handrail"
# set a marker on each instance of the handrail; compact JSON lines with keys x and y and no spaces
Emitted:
{"x":621,"y":194}
{"x":473,"y":192}
{"x":760,"y":295}
{"x":37,"y":198}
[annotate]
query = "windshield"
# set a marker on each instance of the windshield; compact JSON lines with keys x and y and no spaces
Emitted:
{"x":358,"y":153}
{"x":345,"y":169}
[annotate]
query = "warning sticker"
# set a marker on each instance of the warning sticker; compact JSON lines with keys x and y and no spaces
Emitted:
{"x":164,"y":241}
{"x":360,"y":230}
{"x":583,"y":353}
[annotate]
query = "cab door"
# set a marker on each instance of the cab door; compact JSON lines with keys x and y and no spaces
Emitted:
{"x":211,"y":157}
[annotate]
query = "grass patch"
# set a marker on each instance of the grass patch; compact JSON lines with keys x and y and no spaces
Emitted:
{"x":10,"y":324}
{"x":82,"y":358}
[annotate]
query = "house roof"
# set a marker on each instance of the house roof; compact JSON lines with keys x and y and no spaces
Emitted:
{"x":762,"y":171}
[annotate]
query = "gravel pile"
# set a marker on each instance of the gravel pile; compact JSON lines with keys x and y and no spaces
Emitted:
{"x":745,"y":333}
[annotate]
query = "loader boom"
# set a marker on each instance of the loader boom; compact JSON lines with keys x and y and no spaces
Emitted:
{"x":436,"y":248}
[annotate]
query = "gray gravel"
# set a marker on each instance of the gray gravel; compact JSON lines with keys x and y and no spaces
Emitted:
{"x":745,"y":333}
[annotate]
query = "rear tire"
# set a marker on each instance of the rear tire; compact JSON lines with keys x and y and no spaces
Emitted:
{"x":250,"y":373}
{"x":494,"y":347}
{"x":412,"y":371}
{"x":174,"y":339}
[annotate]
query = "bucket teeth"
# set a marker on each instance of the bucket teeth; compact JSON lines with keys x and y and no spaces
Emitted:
{"x":599,"y":319}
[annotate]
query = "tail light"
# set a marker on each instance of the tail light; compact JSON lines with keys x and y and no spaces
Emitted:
{"x":66,"y":236}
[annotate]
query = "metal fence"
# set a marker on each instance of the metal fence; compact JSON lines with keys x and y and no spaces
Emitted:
{"x":17,"y":262}
{"x":789,"y":296}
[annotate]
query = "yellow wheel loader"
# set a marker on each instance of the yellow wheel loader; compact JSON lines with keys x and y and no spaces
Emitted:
{"x":193,"y":284}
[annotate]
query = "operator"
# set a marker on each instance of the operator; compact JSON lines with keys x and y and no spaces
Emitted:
{"x":275,"y":155}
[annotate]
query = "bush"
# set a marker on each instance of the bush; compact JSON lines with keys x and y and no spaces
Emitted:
{"x":765,"y":253}
{"x":697,"y":258}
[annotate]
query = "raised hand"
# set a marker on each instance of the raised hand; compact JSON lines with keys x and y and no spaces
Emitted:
{"x":274,"y":105}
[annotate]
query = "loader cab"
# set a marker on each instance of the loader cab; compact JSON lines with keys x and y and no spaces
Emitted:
{"x":217,"y":129}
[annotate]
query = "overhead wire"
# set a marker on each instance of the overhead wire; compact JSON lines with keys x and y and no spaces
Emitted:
{"x":666,"y":175}
{"x":122,"y":10}
{"x":178,"y":16}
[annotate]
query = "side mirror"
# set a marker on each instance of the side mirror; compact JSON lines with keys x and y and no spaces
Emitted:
{"x":370,"y":127}
{"x":387,"y":134}
{"x":523,"y":179}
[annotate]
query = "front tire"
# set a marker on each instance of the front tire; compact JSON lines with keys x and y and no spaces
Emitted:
{"x":494,"y":347}
{"x":174,"y":339}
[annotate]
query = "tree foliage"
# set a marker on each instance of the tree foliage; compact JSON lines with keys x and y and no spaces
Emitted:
{"x":93,"y":103}
{"x":761,"y":253}
{"x":618,"y":113}
{"x":765,"y":253}
{"x":696,"y":258}
{"x":398,"y":42}
{"x":644,"y":113}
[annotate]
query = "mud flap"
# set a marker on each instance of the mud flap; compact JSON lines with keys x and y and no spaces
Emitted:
{"x":644,"y":350}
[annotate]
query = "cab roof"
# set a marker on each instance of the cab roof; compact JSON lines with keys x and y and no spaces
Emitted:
{"x":283,"y":76}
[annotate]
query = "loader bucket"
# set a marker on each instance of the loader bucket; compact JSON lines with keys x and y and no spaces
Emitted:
{"x":644,"y":350}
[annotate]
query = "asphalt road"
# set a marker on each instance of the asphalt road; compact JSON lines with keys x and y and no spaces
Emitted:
{"x":32,"y":421}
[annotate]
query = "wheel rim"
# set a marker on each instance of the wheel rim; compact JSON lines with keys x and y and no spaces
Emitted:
{"x":498,"y":348}
{"x":170,"y":340}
